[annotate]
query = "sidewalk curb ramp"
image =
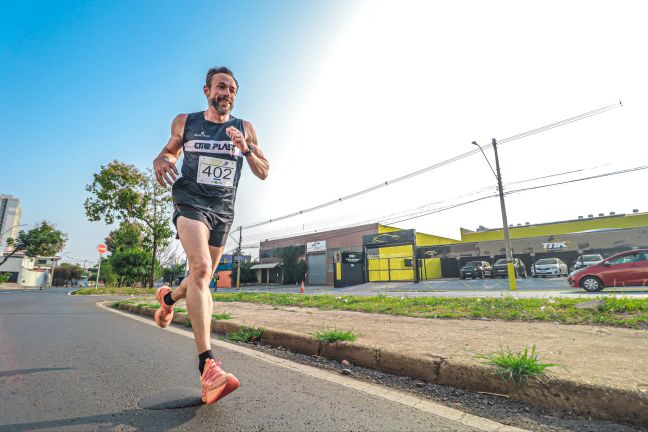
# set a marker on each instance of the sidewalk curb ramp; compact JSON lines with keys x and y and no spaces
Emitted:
{"x":580,"y":398}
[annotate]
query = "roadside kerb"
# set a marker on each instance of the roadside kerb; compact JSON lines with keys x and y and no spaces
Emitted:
{"x":584,"y":399}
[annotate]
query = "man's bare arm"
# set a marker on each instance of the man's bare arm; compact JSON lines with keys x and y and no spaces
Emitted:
{"x":164,"y":164}
{"x":257,"y":161}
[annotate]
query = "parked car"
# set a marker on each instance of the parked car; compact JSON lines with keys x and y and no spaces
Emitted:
{"x":476,"y":269}
{"x":586,"y":261}
{"x":622,"y":269}
{"x":500,"y":268}
{"x":549,"y":267}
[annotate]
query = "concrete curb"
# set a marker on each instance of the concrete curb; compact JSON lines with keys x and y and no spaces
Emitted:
{"x":584,"y":399}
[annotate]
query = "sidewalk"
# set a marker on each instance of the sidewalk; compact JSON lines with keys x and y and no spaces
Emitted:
{"x":604,"y":371}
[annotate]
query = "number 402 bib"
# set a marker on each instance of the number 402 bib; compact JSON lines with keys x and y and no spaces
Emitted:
{"x":216,"y":171}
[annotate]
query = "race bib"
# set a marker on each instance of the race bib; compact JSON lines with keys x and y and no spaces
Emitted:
{"x":216,"y":171}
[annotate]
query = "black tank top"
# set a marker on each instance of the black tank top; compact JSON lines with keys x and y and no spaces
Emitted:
{"x":212,"y":165}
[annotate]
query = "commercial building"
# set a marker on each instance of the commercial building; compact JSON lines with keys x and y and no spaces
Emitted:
{"x":390,"y":253}
{"x":10,"y":213}
{"x":567,"y":240}
{"x":377,"y":253}
{"x":225,"y":275}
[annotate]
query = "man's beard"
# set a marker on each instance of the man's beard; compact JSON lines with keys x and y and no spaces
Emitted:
{"x":215,"y":102}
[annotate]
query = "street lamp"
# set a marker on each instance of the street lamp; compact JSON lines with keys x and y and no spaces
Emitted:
{"x":507,"y":238}
{"x":5,"y":232}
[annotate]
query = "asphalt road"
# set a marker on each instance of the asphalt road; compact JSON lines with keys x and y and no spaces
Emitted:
{"x":66,"y":364}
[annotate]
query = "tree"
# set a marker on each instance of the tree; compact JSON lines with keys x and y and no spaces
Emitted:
{"x":173,"y":272}
{"x":121,"y":192}
{"x":67,"y":271}
{"x":247,"y":274}
{"x":107,"y":275}
{"x":42,"y":240}
{"x":293,"y":271}
{"x":131,"y":265}
{"x":4,"y":277}
{"x":127,"y":236}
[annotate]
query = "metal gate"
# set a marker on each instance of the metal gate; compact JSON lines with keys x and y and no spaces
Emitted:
{"x":349,"y":270}
{"x":316,"y":269}
{"x":383,"y":266}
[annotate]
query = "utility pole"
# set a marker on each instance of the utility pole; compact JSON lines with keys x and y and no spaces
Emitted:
{"x":238,"y":259}
{"x":507,"y":238}
{"x":53,"y":271}
{"x":98,"y":271}
{"x":83,"y":275}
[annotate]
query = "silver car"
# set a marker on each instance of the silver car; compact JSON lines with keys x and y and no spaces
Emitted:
{"x":587,"y":260}
{"x":549,"y":267}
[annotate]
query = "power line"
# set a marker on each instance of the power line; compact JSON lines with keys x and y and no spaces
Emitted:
{"x":560,"y":123}
{"x":418,"y":214}
{"x":628,"y":170}
{"x":321,"y":224}
{"x":624,"y":171}
{"x":439,"y":164}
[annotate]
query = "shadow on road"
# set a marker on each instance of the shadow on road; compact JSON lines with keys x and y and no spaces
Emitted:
{"x":132,"y":420}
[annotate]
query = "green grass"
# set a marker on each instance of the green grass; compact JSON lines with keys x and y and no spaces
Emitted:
{"x":334,"y":335}
{"x":114,"y":291}
{"x":617,"y":312}
{"x":147,"y":303}
{"x":245,"y":334}
{"x":516,"y":367}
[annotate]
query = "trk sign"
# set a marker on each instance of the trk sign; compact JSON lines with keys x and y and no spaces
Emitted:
{"x":555,"y":245}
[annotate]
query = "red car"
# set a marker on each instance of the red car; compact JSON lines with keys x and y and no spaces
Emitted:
{"x":622,"y":269}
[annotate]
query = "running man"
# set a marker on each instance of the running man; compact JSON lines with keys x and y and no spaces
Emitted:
{"x":215,"y":144}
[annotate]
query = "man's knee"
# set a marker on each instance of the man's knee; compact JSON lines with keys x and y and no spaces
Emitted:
{"x":201,"y":270}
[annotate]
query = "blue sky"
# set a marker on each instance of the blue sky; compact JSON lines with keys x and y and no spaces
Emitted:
{"x":343,"y":94}
{"x":86,"y":82}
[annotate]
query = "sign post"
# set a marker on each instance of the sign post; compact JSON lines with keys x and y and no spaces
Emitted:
{"x":102,"y":250}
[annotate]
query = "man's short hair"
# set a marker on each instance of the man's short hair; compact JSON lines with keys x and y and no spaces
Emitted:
{"x":217,"y":70}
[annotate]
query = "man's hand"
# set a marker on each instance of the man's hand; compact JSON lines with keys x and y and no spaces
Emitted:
{"x":164,"y":164}
{"x":165,"y":169}
{"x":237,"y":137}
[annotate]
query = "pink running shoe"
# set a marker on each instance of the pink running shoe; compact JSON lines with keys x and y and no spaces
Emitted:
{"x":216,"y":383}
{"x":164,"y":314}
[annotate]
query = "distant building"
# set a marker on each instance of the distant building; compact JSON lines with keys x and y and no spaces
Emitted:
{"x":10,"y":214}
{"x":28,"y":271}
{"x":380,"y":253}
{"x":225,"y":274}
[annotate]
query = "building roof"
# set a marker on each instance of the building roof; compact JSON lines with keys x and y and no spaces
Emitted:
{"x":265,"y":266}
{"x":617,"y":221}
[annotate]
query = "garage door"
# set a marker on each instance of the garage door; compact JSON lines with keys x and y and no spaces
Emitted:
{"x":316,"y":269}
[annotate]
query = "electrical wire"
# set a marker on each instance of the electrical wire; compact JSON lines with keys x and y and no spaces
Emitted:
{"x":624,"y":171}
{"x":439,"y":164}
{"x":322,"y":224}
{"x":418,"y":214}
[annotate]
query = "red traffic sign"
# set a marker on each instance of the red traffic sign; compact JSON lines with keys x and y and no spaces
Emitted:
{"x":102,"y":248}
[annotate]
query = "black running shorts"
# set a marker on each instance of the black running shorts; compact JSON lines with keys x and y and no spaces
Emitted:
{"x":218,"y":225}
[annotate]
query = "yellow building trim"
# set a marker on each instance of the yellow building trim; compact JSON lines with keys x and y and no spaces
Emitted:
{"x":555,"y":229}
{"x":422,"y":239}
